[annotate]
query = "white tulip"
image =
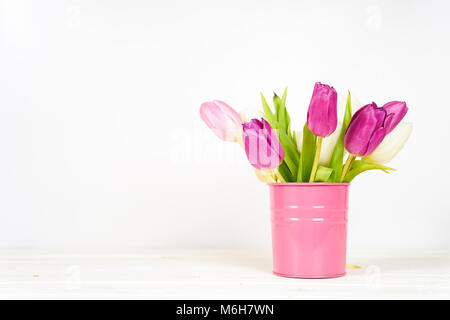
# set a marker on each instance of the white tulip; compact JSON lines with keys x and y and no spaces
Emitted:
{"x":328,"y":144}
{"x":266,"y":176}
{"x":250,"y":113}
{"x":391,"y":144}
{"x":299,"y":139}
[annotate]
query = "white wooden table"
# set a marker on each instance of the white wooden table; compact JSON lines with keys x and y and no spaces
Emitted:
{"x":214,"y":274}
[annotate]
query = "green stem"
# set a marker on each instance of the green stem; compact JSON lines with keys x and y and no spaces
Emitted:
{"x":347,"y":166}
{"x":316,"y":159}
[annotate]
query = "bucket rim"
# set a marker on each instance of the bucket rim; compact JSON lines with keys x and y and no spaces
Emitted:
{"x":310,"y":184}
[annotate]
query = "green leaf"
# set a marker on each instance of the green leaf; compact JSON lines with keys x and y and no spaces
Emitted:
{"x":276,"y":104}
{"x":268,"y":114}
{"x":360,"y":166}
{"x":281,"y":123}
{"x":291,"y":154}
{"x":283,"y":107}
{"x":284,"y":121}
{"x":323,"y":174}
{"x":283,"y":99}
{"x":307,"y":154}
{"x":337,"y":157}
{"x":285,"y":173}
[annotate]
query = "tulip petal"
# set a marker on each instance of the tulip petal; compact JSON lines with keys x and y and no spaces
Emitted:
{"x":396,"y":109}
{"x":322,"y":111}
{"x":328,"y":145}
{"x":332,"y":113}
{"x":262,"y":147}
{"x":298,"y":134}
{"x":391,"y":145}
{"x":223,"y":120}
{"x":266,"y":176}
{"x":375,"y":140}
{"x":250,"y":113}
{"x":363,"y":132}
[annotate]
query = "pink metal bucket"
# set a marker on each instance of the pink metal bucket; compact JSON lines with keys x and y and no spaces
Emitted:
{"x":309,"y":229}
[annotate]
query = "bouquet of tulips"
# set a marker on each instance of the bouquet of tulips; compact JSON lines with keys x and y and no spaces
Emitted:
{"x":315,"y":154}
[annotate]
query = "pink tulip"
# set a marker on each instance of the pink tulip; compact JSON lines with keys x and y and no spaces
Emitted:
{"x":262,"y":146}
{"x":322,"y":112}
{"x":370,"y":124}
{"x":366,"y":130}
{"x":223,"y":120}
{"x":395,"y":111}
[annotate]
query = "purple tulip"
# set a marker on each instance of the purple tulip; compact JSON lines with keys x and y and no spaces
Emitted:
{"x":222,"y":119}
{"x":322,"y":112}
{"x":366,"y":130}
{"x":262,"y":146}
{"x":395,"y":111}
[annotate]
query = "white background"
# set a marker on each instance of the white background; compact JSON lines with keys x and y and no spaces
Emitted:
{"x":101,"y":144}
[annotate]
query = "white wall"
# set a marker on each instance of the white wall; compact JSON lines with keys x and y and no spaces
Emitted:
{"x":101,"y":144}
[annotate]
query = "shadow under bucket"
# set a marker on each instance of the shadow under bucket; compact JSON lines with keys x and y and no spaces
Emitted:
{"x":309,"y":229}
